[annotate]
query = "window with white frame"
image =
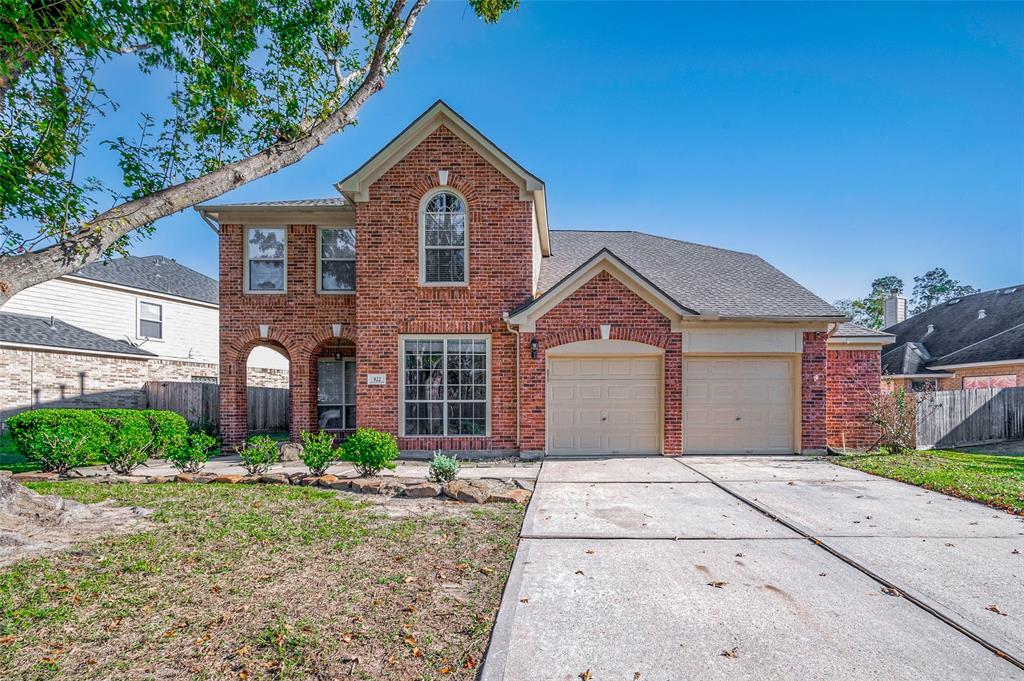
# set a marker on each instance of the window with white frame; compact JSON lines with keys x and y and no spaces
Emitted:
{"x":265,"y":257}
{"x":151,"y":320}
{"x":445,"y":386}
{"x":982,"y":382}
{"x":444,"y":242}
{"x":336,"y":394}
{"x":337,"y":248}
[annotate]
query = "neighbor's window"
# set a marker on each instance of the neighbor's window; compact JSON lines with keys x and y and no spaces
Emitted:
{"x":336,"y":394}
{"x":923,"y":385}
{"x":265,"y":259}
{"x":151,"y":320}
{"x":337,"y":260}
{"x":445,"y":386}
{"x":977,"y":382}
{"x":445,"y":246}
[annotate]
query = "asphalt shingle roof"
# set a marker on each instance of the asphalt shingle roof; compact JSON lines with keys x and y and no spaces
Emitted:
{"x":330,"y":202}
{"x":154,"y":273}
{"x":702,"y":278}
{"x":959,"y":335}
{"x":53,"y":333}
{"x":851,"y":330}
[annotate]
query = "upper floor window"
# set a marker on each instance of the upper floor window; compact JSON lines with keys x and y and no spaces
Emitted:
{"x":265,"y":257}
{"x":444,"y":242}
{"x":337,"y":260}
{"x":151,"y":320}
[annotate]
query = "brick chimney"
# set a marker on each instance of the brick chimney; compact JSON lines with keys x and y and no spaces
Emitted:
{"x":894,"y":310}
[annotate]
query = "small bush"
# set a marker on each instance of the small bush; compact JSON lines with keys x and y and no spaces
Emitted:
{"x":258,"y":454}
{"x":370,"y":451}
{"x":59,"y":439}
{"x":170,"y":432}
{"x":130,"y":439}
{"x":193,"y":456}
{"x":318,"y":451}
{"x":443,"y":468}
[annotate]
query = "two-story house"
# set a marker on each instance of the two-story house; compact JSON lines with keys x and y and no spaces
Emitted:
{"x":432,"y":300}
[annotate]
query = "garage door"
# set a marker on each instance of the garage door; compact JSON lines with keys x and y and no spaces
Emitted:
{"x":604,"y":405}
{"x":742,"y":405}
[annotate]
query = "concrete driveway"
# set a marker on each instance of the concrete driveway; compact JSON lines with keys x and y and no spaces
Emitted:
{"x":701,"y":568}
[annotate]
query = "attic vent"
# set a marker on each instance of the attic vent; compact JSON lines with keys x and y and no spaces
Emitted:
{"x":953,"y":302}
{"x":981,"y":314}
{"x":931,"y":329}
{"x":1007,"y":291}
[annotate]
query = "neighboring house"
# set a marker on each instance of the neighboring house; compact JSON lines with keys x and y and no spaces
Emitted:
{"x":431,"y":300}
{"x":93,"y":338}
{"x":976,"y":341}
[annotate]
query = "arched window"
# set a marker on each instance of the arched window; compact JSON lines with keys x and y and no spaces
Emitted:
{"x":444,"y":240}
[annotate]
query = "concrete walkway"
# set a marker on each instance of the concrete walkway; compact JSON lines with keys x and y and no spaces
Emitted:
{"x":653,"y":569}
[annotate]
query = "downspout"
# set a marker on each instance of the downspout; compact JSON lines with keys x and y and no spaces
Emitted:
{"x":212,"y":225}
{"x":508,"y":325}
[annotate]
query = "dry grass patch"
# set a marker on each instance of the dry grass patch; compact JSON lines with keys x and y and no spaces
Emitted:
{"x":254,"y":582}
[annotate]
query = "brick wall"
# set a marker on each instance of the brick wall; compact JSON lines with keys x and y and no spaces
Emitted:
{"x":813,"y":389}
{"x":602,"y":300}
{"x":854,"y":378}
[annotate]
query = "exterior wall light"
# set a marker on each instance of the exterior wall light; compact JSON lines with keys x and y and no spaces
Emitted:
{"x":533,"y":348}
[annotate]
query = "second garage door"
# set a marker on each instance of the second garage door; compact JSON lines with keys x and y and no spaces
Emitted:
{"x":738,"y":405}
{"x":604,"y":405}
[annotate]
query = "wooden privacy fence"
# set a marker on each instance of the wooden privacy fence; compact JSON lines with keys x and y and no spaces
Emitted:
{"x":954,"y":418}
{"x":269,"y":410}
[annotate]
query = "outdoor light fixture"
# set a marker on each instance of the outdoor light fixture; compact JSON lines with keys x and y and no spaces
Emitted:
{"x":264,"y":330}
{"x":533,"y":348}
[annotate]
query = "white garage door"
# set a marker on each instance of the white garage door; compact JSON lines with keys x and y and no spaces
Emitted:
{"x":741,"y":405}
{"x":604,"y":405}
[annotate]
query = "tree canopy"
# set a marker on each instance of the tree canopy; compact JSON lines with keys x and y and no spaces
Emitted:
{"x":257,"y":84}
{"x":933,"y":287}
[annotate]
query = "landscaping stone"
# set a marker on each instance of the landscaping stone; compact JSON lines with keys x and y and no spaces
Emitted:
{"x":509,"y":496}
{"x":342,"y":483}
{"x":392,"y":488}
{"x":159,"y":479}
{"x":229,"y":479}
{"x":475,"y":492}
{"x":274,"y":479}
{"x":35,"y":476}
{"x":422,"y":490}
{"x":5,"y":474}
{"x":289,"y":451}
{"x":309,"y":481}
{"x":297,"y":478}
{"x":251,"y":479}
{"x":528,"y":485}
{"x":327,"y":480}
{"x":366,"y":485}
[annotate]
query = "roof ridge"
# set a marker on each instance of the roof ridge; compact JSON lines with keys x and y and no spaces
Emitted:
{"x":663,"y":238}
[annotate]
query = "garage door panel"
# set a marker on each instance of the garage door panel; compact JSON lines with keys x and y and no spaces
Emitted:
{"x":738,"y":405}
{"x":603,"y":405}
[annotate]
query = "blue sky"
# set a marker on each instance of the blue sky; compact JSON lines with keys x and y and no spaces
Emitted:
{"x":839,"y":142}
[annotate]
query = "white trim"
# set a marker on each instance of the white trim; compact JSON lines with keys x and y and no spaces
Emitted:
{"x":271,"y":216}
{"x":527,"y":317}
{"x":139,"y":301}
{"x":402,"y":338}
{"x":862,"y":340}
{"x":978,"y":364}
{"x":79,"y":351}
{"x":421,"y":217}
{"x":245,"y":261}
{"x":887,"y":377}
{"x":320,"y":259}
{"x":603,"y":347}
{"x":75,"y":279}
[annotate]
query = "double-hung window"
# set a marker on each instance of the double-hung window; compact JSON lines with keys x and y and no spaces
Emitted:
{"x":336,"y":394}
{"x":445,"y":386}
{"x":151,"y":320}
{"x":444,"y":242}
{"x":337,"y":254}
{"x":265,"y":260}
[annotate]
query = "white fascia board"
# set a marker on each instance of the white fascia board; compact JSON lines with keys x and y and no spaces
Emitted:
{"x":75,"y":351}
{"x":968,"y":365}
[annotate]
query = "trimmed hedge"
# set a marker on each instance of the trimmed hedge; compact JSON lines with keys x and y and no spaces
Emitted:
{"x":62,"y":439}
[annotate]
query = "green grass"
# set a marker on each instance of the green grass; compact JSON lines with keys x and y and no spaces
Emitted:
{"x":261,"y":582}
{"x":994,"y":480}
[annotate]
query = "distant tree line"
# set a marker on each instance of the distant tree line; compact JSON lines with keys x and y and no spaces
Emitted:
{"x":930,"y":289}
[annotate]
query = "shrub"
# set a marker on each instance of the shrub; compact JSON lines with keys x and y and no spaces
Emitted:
{"x":193,"y":456}
{"x":258,"y":454}
{"x":130,"y":439}
{"x":318,"y":451}
{"x":59,"y":439}
{"x":443,"y":468}
{"x":370,"y":451}
{"x":170,"y":432}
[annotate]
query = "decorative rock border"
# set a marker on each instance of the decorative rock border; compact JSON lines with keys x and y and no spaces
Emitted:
{"x":479,"y":491}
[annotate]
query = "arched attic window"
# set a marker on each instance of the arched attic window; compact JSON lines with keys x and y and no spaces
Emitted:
{"x":444,"y":240}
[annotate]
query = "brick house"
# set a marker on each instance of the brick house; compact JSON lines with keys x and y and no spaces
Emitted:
{"x":967,"y":343}
{"x":431,"y":300}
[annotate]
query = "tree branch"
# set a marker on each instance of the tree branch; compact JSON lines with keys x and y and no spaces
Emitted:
{"x":18,"y":272}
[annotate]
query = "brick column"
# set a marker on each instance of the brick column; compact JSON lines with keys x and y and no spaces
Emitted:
{"x":234,"y":414}
{"x":813,"y":391}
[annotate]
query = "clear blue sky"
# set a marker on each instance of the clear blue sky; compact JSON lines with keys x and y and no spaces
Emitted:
{"x":839,"y":142}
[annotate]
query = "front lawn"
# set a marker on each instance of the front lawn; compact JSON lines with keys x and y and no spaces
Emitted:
{"x":265,"y":581}
{"x":994,"y":480}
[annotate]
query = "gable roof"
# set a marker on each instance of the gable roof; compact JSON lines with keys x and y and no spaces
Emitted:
{"x":710,"y":281}
{"x":53,"y":333}
{"x":153,"y":273}
{"x":959,"y":336}
{"x":356,"y":185}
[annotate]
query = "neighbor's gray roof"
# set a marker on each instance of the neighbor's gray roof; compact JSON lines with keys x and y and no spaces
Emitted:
{"x":332,"y":202}
{"x":851,"y":330}
{"x":906,"y":359}
{"x":31,"y":330}
{"x":153,"y":273}
{"x":702,"y":278}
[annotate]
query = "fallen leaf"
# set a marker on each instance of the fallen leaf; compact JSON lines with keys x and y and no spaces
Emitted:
{"x":524,"y":600}
{"x":487,"y":570}
{"x":410,"y":608}
{"x":740,"y":555}
{"x":889,"y":591}
{"x":732,"y":652}
{"x":636,"y":675}
{"x":590,"y":552}
{"x":408,"y":579}
{"x":821,"y":574}
{"x":948,"y":544}
{"x":586,"y":676}
{"x":993,"y":608}
{"x":446,"y":670}
{"x":4,"y":640}
{"x":410,"y":640}
{"x":242,"y":652}
{"x":579,"y":572}
{"x":470,"y":663}
{"x":416,"y":652}
{"x":346,"y":637}
{"x":717,"y":585}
